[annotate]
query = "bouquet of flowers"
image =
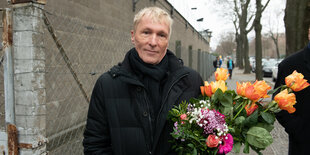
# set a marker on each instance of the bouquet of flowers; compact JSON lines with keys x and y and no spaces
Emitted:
{"x":221,"y":120}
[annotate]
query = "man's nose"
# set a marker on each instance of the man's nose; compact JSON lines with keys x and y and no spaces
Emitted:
{"x":153,"y":40}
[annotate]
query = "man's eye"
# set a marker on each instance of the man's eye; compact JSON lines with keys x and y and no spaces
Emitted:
{"x":146,"y":32}
{"x":163,"y":35}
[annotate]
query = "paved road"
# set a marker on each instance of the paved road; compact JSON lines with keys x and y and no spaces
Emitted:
{"x":280,"y":143}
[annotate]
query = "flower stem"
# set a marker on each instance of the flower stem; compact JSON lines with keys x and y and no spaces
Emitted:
{"x":243,"y":105}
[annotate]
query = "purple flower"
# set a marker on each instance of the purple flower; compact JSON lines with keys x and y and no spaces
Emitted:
{"x":212,"y":121}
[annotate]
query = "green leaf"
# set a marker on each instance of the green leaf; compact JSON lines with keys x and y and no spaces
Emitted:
{"x":217,"y":95}
{"x":226,"y":100}
{"x":190,"y":145}
{"x":246,"y":148}
{"x":195,"y":151}
{"x":239,"y":120}
{"x":227,"y":110}
{"x":268,"y":117}
{"x":268,"y":127}
{"x":236,"y":147}
{"x":252,"y":119}
{"x":259,"y":137}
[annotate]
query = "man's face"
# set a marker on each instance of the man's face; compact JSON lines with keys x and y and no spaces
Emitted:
{"x":151,"y":40}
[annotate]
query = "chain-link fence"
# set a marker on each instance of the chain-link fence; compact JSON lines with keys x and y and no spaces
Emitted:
{"x":71,"y":55}
{"x":2,"y":107}
{"x":77,"y":53}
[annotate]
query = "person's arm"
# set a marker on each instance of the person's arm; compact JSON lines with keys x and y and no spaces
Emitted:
{"x":291,"y":122}
{"x":96,"y":135}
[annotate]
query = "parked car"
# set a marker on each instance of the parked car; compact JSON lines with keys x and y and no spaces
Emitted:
{"x":253,"y":64}
{"x":275,"y":72}
{"x":267,"y":67}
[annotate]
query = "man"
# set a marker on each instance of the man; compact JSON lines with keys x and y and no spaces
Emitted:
{"x":217,"y":63}
{"x":297,"y":124}
{"x":129,"y":104}
{"x":230,"y":66}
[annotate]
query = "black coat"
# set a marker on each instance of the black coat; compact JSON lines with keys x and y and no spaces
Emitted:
{"x":297,"y":125}
{"x":118,"y":120}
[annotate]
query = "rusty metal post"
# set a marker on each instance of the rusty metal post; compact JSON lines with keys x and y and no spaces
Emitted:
{"x":8,"y":67}
{"x":12,"y":140}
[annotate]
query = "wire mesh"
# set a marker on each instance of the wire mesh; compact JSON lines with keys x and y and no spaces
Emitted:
{"x":78,"y":54}
{"x":2,"y":107}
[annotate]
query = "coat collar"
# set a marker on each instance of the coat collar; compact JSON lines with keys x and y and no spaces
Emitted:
{"x":124,"y":71}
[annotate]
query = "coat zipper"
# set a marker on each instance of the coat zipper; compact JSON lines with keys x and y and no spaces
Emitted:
{"x":150,"y":119}
{"x":162,"y":105}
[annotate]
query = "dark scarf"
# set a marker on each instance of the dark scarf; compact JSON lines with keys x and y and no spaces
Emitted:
{"x":153,"y":77}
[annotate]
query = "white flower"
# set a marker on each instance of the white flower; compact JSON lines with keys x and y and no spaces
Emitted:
{"x":202,"y":102}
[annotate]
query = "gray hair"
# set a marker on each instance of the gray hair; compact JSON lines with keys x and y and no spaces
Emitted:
{"x":156,"y":14}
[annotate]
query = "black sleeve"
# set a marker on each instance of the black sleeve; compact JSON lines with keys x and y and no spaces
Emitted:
{"x":291,"y":122}
{"x":96,"y":135}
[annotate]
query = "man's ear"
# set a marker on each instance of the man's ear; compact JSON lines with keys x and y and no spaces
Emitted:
{"x":132,"y":37}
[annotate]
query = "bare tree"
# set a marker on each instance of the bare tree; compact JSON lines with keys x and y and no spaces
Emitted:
{"x":275,"y":39}
{"x":258,"y":37}
{"x":226,"y":44}
{"x":297,"y":20}
{"x":242,"y":8}
{"x":273,"y":31}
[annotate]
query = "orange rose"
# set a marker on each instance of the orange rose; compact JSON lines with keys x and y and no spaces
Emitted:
{"x":286,"y":101}
{"x":250,"y":108}
{"x":218,"y":85}
{"x":221,"y":74}
{"x":261,"y":87}
{"x":206,"y":89}
{"x":212,"y":141}
{"x":251,"y":94}
{"x":296,"y":81}
{"x":257,"y":90}
{"x":241,"y":88}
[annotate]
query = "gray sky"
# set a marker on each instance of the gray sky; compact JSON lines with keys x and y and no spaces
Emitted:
{"x":215,"y":21}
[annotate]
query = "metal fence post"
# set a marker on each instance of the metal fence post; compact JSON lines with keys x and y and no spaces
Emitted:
{"x":7,"y":63}
{"x":190,"y":56}
{"x":8,"y":67}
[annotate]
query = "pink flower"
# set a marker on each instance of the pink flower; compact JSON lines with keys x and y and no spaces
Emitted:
{"x":227,"y":145}
{"x":183,"y":117}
